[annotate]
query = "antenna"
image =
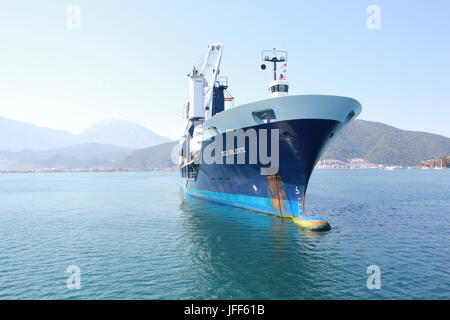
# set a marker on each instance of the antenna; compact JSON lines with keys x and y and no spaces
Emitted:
{"x":273,"y":56}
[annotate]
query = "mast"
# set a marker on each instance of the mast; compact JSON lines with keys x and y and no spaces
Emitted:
{"x":276,"y":56}
{"x":278,"y":87}
{"x":274,"y":65}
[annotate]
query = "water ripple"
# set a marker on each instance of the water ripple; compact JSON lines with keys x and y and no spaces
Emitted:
{"x":134,"y":237}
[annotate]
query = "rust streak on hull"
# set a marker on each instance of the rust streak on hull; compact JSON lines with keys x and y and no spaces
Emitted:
{"x":277,"y":193}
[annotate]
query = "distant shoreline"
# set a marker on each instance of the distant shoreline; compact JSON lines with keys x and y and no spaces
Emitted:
{"x":162,"y":170}
{"x":83,"y":170}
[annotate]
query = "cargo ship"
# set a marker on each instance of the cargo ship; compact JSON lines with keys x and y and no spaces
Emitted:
{"x":260,"y":155}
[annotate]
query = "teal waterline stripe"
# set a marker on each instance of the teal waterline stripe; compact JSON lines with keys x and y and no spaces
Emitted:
{"x":254,"y":203}
{"x":313,"y":218}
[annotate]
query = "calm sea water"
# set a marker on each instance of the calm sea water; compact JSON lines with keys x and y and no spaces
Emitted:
{"x":133,"y":237}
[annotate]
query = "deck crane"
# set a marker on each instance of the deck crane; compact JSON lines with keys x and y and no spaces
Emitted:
{"x":203,"y":85}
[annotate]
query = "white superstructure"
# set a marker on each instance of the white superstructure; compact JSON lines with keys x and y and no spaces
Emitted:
{"x":201,"y":84}
{"x":199,"y":106}
{"x":196,"y":105}
{"x":279,"y":88}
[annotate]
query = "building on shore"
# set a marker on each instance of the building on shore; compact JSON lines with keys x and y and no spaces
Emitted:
{"x":438,"y":163}
{"x":355,"y":163}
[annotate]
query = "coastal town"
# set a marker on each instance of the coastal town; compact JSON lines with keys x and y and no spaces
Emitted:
{"x":358,"y":163}
{"x":324,"y":164}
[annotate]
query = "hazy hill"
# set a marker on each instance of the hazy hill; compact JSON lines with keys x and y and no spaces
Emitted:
{"x":121,"y":133}
{"x":156,"y":157}
{"x":17,"y":135}
{"x":383,"y":144}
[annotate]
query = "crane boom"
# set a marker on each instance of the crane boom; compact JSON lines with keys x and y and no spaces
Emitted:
{"x":210,"y":70}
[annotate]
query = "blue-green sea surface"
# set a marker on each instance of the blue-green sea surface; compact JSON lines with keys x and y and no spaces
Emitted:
{"x":134,"y":237}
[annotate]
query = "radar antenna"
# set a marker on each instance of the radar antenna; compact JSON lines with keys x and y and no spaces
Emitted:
{"x":274,"y":56}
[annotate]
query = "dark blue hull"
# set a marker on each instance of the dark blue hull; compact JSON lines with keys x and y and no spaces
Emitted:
{"x":301,"y":143}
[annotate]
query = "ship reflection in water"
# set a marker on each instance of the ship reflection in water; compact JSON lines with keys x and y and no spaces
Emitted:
{"x":238,"y":253}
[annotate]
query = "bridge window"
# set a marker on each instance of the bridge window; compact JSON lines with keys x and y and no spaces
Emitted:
{"x":280,"y":88}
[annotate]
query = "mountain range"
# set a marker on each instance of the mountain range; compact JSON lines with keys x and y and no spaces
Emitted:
{"x":121,"y":133}
{"x":18,"y":136}
{"x":383,"y":144}
{"x":118,"y":144}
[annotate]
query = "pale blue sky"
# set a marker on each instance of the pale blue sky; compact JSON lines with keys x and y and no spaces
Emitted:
{"x":130,"y":58}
